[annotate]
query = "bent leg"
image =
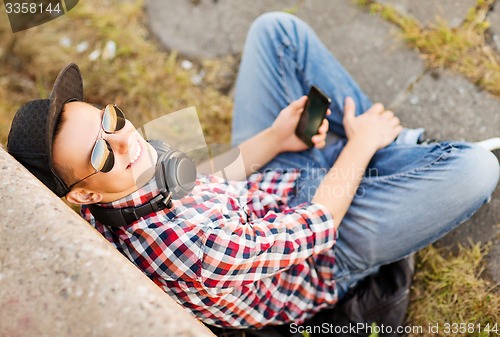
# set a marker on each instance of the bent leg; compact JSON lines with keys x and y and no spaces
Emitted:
{"x":413,"y":196}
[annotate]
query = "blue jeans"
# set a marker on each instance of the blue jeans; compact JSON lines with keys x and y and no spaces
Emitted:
{"x":411,"y":194}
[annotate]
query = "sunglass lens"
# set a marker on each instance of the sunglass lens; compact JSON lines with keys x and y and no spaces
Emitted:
{"x":102,"y":156}
{"x":113,"y":119}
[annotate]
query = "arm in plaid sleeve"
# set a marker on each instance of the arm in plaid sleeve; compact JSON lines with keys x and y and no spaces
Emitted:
{"x":240,"y":253}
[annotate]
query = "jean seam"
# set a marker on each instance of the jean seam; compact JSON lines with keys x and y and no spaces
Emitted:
{"x":443,"y":156}
{"x":286,"y":43}
{"x":281,"y":56}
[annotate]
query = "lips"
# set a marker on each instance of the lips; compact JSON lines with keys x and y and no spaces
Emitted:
{"x":137,"y":155}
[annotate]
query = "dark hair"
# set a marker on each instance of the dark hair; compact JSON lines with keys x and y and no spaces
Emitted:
{"x":59,"y":123}
{"x":65,"y":172}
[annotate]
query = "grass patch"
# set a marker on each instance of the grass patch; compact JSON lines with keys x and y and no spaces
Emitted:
{"x":144,"y":80}
{"x":449,"y":289}
{"x":295,"y":8}
{"x":462,"y":49}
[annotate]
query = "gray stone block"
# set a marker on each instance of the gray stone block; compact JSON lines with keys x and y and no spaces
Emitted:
{"x":207,"y":28}
{"x":368,"y":46}
{"x":494,"y":19}
{"x":60,"y":277}
{"x":429,"y":11}
{"x":493,"y":262}
{"x":449,"y":107}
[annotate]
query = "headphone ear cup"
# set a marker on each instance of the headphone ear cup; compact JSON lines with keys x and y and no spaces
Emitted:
{"x":160,"y":147}
{"x":176,"y":172}
{"x":180,"y":174}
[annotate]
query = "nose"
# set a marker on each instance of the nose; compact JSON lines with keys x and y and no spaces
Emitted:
{"x":119,"y":141}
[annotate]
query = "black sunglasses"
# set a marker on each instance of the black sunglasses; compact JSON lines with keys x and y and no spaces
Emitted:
{"x":102,"y":157}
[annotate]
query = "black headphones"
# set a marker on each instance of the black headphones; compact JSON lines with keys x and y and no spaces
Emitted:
{"x":175,"y":176}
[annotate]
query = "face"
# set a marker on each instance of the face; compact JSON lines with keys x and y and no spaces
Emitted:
{"x":135,"y":159}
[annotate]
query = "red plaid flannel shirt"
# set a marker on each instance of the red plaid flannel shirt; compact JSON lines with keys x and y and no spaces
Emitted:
{"x":234,"y":253}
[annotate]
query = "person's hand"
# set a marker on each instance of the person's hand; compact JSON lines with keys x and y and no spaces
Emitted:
{"x":376,"y":128}
{"x":285,"y":124}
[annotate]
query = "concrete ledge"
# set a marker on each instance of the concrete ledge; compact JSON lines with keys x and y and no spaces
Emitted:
{"x":59,"y":277}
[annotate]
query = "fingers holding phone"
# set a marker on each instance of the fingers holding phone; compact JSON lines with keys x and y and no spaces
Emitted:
{"x":319,"y":140}
{"x":312,"y":125}
{"x":302,"y":124}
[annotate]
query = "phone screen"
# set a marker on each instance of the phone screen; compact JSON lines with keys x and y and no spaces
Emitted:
{"x":313,"y":114}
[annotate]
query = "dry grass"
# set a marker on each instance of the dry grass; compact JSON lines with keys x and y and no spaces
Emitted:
{"x":449,"y":289}
{"x":462,"y":49}
{"x":142,"y":79}
{"x":148,"y":82}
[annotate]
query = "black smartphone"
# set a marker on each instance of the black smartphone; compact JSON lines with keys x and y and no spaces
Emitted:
{"x":314,"y":112}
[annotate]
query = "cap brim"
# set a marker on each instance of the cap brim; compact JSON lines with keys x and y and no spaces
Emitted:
{"x":67,"y":87}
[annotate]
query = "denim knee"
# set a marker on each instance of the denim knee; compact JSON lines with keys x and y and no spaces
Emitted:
{"x":271,"y":23}
{"x":480,"y":172}
{"x":270,"y":19}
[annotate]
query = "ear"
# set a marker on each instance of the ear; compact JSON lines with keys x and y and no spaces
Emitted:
{"x":81,"y":196}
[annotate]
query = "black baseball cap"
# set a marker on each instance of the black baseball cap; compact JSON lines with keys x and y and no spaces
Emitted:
{"x":32,"y":131}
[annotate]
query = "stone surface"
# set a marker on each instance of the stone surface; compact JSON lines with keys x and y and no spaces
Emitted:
{"x":60,"y":277}
{"x":207,"y":27}
{"x":430,"y":11}
{"x":365,"y":44}
{"x":493,"y":268}
{"x":494,"y":19}
{"x":449,"y":107}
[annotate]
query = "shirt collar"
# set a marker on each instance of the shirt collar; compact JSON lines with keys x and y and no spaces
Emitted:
{"x":137,"y":198}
